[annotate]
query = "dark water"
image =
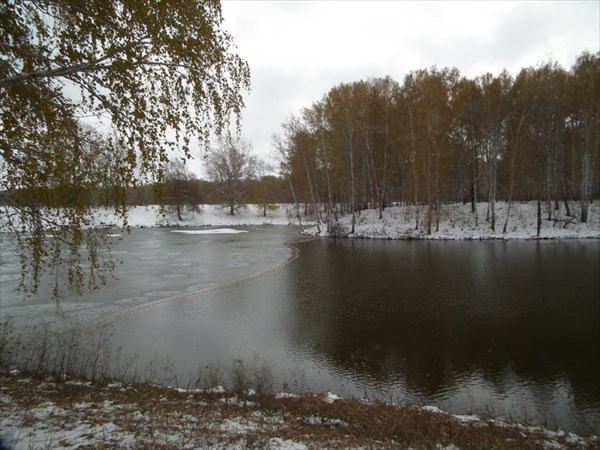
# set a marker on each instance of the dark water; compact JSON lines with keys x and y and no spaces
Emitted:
{"x":508,"y":329}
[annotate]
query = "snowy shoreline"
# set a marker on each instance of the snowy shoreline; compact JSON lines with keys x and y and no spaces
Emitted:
{"x":457,"y":222}
{"x":209,"y":216}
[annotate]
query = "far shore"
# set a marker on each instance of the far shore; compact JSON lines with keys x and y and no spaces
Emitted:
{"x":456,"y":221}
{"x":453,"y":222}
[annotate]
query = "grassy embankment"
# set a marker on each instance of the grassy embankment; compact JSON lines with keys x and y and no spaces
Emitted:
{"x":39,"y":411}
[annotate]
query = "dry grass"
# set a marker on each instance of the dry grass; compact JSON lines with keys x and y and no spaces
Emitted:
{"x":80,"y":414}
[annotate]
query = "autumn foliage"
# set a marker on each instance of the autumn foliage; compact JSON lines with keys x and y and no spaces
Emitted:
{"x":440,"y":137}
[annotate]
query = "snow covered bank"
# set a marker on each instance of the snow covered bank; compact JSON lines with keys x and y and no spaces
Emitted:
{"x":210,"y":215}
{"x":458,"y":222}
{"x":48,"y":412}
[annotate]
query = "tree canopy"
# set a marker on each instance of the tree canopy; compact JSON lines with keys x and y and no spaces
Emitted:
{"x":439,"y":137}
{"x":155,"y":75}
{"x":230,"y":164}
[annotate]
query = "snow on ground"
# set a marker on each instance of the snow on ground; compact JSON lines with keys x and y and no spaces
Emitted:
{"x":151,"y":216}
{"x":171,"y":423}
{"x":49,"y":413}
{"x":458,"y":222}
{"x":209,"y":215}
{"x":398,"y":222}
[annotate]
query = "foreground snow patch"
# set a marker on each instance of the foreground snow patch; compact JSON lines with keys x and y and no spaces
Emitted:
{"x":285,"y":444}
{"x":74,"y":414}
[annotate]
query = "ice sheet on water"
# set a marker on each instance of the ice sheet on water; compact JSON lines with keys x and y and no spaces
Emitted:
{"x":214,"y":231}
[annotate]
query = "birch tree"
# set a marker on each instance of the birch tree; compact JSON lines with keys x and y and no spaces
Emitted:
{"x":585,"y":120}
{"x":230,"y":165}
{"x":180,"y":189}
{"x":157,"y":74}
{"x":281,"y":154}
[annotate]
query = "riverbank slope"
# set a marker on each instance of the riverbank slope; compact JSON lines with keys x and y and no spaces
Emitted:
{"x":50,"y":412}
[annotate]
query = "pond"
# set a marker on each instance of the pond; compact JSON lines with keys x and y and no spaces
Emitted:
{"x":503,"y":328}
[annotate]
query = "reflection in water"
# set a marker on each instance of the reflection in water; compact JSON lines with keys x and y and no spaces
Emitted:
{"x":511,"y":328}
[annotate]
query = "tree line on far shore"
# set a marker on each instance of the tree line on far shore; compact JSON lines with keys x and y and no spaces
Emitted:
{"x":437,"y":138}
{"x":182,"y":190}
{"x":441,"y":138}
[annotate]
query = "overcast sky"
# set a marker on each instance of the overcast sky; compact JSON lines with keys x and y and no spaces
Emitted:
{"x":299,"y":50}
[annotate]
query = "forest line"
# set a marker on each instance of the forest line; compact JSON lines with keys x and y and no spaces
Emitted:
{"x":442,"y":138}
{"x":435,"y":139}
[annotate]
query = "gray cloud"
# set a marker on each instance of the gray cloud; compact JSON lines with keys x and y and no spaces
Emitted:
{"x":299,"y":50}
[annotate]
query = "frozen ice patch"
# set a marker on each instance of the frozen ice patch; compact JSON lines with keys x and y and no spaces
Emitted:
{"x":213,"y":231}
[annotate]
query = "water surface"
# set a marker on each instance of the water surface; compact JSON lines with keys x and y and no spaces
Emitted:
{"x":509,"y":329}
